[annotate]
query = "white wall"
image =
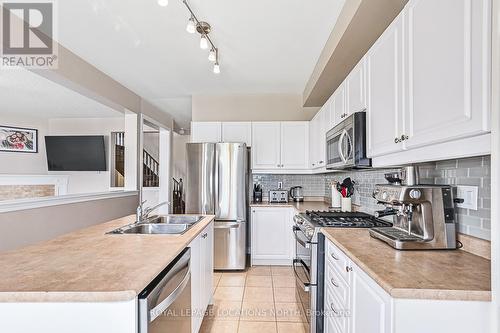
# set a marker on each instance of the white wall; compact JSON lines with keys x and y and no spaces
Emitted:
{"x":86,"y":181}
{"x":256,"y":107}
{"x":179,"y":156}
{"x":25,"y":163}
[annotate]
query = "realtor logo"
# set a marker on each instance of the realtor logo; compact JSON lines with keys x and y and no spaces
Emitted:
{"x":28,"y":35}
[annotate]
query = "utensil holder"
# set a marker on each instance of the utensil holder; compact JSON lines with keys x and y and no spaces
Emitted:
{"x":346,"y":204}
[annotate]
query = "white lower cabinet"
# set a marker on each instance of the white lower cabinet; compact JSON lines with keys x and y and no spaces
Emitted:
{"x":202,"y":270}
{"x":355,"y":303}
{"x":272,"y":237}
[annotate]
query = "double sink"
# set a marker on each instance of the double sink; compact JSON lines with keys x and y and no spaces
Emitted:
{"x":160,"y":225}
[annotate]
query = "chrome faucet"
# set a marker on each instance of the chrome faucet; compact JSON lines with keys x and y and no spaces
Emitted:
{"x":143,"y":213}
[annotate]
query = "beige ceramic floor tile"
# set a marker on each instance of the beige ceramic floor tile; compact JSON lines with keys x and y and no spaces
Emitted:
{"x":259,"y":281}
{"x":283,"y":281}
{"x":234,"y":294}
{"x":259,"y":270}
{"x":257,"y":327}
{"x":282,"y":270}
{"x":292,"y":328}
{"x":224,"y":310}
{"x":291,"y":312}
{"x":232,"y":280}
{"x":258,"y":294}
{"x":217,"y":326}
{"x":285,"y":295}
{"x":258,"y":311}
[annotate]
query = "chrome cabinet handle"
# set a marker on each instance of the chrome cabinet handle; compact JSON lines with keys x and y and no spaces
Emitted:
{"x":404,"y":137}
{"x":333,"y":309}
{"x":397,"y":140}
{"x":348,"y":269}
{"x":333,"y":282}
{"x":334,"y":257}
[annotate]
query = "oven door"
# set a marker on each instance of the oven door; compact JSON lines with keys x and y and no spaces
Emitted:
{"x":302,"y":268}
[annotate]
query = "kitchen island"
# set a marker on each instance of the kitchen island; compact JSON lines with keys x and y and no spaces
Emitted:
{"x":389,"y":291}
{"x":86,"y":280}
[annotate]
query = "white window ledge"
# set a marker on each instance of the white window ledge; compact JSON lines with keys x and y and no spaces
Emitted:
{"x":22,"y":204}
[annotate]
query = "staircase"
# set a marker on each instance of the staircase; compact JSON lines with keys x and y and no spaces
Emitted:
{"x":178,"y":204}
{"x":151,"y":167}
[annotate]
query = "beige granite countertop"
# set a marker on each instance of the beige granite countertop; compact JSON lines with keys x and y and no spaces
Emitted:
{"x":444,"y":275}
{"x":90,"y":266}
{"x":299,"y":206}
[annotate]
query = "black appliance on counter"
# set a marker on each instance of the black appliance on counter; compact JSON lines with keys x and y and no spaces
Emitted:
{"x":257,"y":193}
{"x":309,"y":264}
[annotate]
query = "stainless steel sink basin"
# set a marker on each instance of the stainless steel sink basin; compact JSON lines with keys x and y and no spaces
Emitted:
{"x":154,"y":229}
{"x":175,"y":219}
{"x":160,"y":225}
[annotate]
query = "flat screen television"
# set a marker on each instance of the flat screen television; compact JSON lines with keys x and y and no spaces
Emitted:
{"x":76,"y":153}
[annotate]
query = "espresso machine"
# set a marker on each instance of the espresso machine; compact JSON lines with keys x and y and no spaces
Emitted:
{"x":423,"y":216}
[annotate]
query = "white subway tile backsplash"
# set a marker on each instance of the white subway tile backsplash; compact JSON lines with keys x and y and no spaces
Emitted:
{"x":473,"y":171}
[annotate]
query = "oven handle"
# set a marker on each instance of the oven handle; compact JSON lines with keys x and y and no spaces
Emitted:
{"x":158,"y":310}
{"x":305,"y":285}
{"x":307,"y":244}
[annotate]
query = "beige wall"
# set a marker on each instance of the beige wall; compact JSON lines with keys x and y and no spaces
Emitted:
{"x":30,"y":226}
{"x":255,"y":107}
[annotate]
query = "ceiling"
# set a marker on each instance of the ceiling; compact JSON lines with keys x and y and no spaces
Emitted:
{"x":27,"y":94}
{"x":265,"y":46}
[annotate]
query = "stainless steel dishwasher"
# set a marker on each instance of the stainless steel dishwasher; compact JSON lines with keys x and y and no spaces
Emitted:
{"x":165,"y":304}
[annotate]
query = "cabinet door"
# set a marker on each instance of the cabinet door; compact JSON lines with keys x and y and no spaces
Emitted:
{"x":339,"y":110}
{"x":447,"y":49}
{"x":314,"y":141}
{"x":295,"y":144}
{"x":208,"y":263}
{"x":206,"y":131}
{"x":196,"y":284}
{"x":323,"y":116}
{"x":272,"y":234}
{"x":266,"y":145}
{"x":355,"y":89}
{"x":384,"y":76}
{"x":371,"y":305}
{"x":237,"y":132}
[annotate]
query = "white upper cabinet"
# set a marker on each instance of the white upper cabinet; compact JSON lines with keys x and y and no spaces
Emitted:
{"x":317,"y":137}
{"x":338,"y":109}
{"x":384,"y":98}
{"x":446,"y":51}
{"x":295,"y":144}
{"x":207,"y":131}
{"x":237,"y":132}
{"x":280,"y":145}
{"x":356,"y":89}
{"x":266,"y":145}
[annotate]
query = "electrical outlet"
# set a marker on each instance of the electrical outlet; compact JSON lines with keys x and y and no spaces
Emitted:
{"x":469,"y":194}
{"x":280,"y":185}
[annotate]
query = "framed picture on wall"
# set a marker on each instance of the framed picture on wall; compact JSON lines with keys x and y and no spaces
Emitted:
{"x":18,"y":139}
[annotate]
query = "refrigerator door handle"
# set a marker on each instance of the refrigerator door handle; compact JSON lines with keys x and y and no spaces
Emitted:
{"x":227,"y":225}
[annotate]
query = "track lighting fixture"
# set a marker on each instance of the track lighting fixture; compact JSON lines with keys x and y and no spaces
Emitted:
{"x":216,"y":68}
{"x":191,"y":26}
{"x":212,"y":56}
{"x":203,"y":42}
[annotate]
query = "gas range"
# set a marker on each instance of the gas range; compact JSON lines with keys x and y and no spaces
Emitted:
{"x":310,"y":222}
{"x":344,"y":219}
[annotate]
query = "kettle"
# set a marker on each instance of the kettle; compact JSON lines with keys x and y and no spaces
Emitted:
{"x":296,"y":194}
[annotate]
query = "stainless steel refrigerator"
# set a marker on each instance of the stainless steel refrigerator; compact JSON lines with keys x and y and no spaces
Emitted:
{"x":217,"y":184}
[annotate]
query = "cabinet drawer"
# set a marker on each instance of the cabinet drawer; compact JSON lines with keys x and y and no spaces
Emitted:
{"x":338,"y":286}
{"x":338,"y":260}
{"x":336,"y":313}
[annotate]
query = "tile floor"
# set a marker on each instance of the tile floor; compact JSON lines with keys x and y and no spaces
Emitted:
{"x":261,"y":299}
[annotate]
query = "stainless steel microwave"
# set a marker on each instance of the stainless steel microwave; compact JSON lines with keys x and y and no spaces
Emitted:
{"x":346,"y":146}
